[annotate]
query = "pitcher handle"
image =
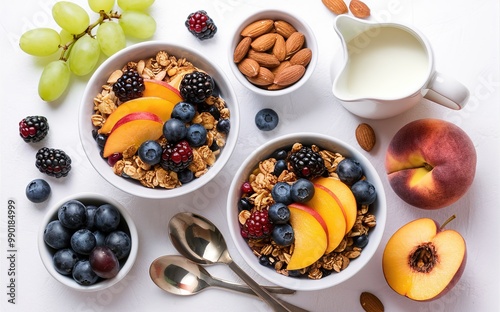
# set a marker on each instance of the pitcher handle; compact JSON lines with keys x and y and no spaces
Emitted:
{"x":447,"y":91}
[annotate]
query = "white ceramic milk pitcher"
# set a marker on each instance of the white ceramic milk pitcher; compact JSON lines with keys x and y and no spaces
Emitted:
{"x":388,"y":68}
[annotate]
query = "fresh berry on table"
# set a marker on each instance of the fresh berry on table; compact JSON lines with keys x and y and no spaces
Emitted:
{"x":38,"y":190}
{"x":33,"y":128}
{"x":201,"y":25}
{"x":53,"y":162}
{"x":266,"y":119}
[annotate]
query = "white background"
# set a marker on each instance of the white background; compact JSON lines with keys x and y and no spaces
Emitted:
{"x":465,"y":37}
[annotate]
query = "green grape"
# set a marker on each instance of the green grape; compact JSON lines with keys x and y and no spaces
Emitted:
{"x":137,"y":24}
{"x":140,"y":5}
{"x":111,"y":38}
{"x":84,"y":55}
{"x":66,"y":37}
{"x":40,"y":41}
{"x":54,"y":80}
{"x":70,"y":17}
{"x":101,"y":5}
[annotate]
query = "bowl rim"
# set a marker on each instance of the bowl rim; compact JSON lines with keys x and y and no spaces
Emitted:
{"x":144,"y":49}
{"x":321,"y":140}
{"x":300,"y":24}
{"x":46,"y":255}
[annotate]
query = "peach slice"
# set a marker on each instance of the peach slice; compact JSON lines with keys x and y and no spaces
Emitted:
{"x":328,"y":207}
{"x":161,"y":89}
{"x":132,"y":130}
{"x":311,"y":238}
{"x":344,"y":194}
{"x":422,"y":261}
{"x":158,"y":106}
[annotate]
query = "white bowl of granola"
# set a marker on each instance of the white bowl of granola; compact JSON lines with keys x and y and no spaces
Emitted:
{"x":114,"y":125}
{"x":276,"y":245}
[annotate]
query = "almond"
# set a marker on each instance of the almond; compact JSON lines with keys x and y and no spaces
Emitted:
{"x":359,"y":9}
{"x":294,"y":43}
{"x":264,"y":59}
{"x":279,"y":49}
{"x":257,"y":28}
{"x":264,"y":78}
{"x":365,"y":136}
{"x":289,"y":75}
{"x":264,"y":42}
{"x":370,"y":302}
{"x":284,"y":28}
{"x":336,"y":6}
{"x":241,"y":49}
{"x":280,"y":67}
{"x":302,"y":57}
{"x":249,"y":67}
{"x":274,"y":87}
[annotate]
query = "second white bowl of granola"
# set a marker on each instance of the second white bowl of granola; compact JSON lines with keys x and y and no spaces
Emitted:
{"x":329,"y":233}
{"x":117,"y":117}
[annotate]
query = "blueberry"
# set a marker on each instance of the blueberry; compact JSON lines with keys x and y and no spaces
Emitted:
{"x":150,"y":152}
{"x":279,"y":213}
{"x":279,"y":167}
{"x":214,"y":147}
{"x":83,"y":241}
{"x":281,"y":193}
{"x":281,"y":154}
{"x":214,"y":111}
{"x":64,"y":260}
{"x":56,"y":235}
{"x":283,"y":234}
{"x":107,"y":218}
{"x":101,"y":140}
{"x":302,"y":190}
{"x":83,"y":273}
{"x":364,"y":192}
{"x":185,"y":176}
{"x":244,"y":204}
{"x":266,"y":119}
{"x":90,"y":209}
{"x":174,"y":130}
{"x":360,"y":241}
{"x":349,"y":171}
{"x":119,"y":242}
{"x":224,"y":125}
{"x":73,"y":214}
{"x":196,"y":135}
{"x":294,"y":273}
{"x":266,"y":261}
{"x":183,"y":111}
{"x":38,"y":190}
{"x":100,"y":237}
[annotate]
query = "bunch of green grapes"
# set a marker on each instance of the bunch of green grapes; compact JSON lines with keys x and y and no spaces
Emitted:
{"x":81,"y":43}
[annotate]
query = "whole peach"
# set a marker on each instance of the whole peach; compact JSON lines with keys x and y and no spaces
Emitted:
{"x":430,"y":163}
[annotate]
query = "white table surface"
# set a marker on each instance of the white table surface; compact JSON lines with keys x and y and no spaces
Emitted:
{"x":465,"y":37}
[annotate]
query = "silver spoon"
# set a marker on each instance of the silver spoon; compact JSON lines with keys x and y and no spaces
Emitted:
{"x":180,"y":276}
{"x":199,"y":240}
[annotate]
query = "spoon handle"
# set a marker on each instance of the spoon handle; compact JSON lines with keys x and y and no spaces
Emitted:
{"x":276,"y":304}
{"x":245,"y":289}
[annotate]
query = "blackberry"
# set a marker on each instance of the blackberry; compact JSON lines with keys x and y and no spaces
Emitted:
{"x":33,"y":128}
{"x":306,"y":163}
{"x":53,"y":162}
{"x":129,"y":86}
{"x":201,"y":25}
{"x":258,"y":225}
{"x":177,"y":157}
{"x":196,"y":87}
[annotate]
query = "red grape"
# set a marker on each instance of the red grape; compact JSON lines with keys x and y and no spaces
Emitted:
{"x":104,"y":262}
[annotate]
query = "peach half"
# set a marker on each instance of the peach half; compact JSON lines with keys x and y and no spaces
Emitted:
{"x":311,"y":238}
{"x":132,"y":130}
{"x":158,"y":106}
{"x":161,"y":89}
{"x":422,"y":261}
{"x":430,"y":163}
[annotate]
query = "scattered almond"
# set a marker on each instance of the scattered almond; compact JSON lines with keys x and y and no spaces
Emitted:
{"x":284,"y":28}
{"x":249,"y":67}
{"x":289,"y":75}
{"x":336,"y":6}
{"x":359,"y":9}
{"x":264,"y":42}
{"x":264,"y":78}
{"x":370,"y":302}
{"x":365,"y":136}
{"x":264,"y":59}
{"x":279,"y":49}
{"x":294,"y":43}
{"x":241,"y":49}
{"x":302,"y":57}
{"x":257,"y":28}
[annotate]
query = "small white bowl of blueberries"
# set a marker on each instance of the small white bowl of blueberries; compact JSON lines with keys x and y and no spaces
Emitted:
{"x":88,"y":241}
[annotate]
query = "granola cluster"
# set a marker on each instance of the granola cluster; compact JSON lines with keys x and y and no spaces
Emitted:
{"x":262,"y":181}
{"x":163,"y":67}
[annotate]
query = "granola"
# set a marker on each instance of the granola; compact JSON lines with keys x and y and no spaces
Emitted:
{"x":262,"y":179}
{"x":167,"y":68}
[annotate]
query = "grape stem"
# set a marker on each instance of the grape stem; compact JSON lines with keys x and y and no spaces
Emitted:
{"x":102,"y":17}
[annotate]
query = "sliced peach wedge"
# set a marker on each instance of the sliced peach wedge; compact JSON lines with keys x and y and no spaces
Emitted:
{"x":132,"y":130}
{"x":161,"y":89}
{"x":156,"y":105}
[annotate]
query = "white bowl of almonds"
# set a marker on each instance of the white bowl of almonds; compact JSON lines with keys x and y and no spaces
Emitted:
{"x":273,"y":52}
{"x":306,"y":211}
{"x":150,"y":129}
